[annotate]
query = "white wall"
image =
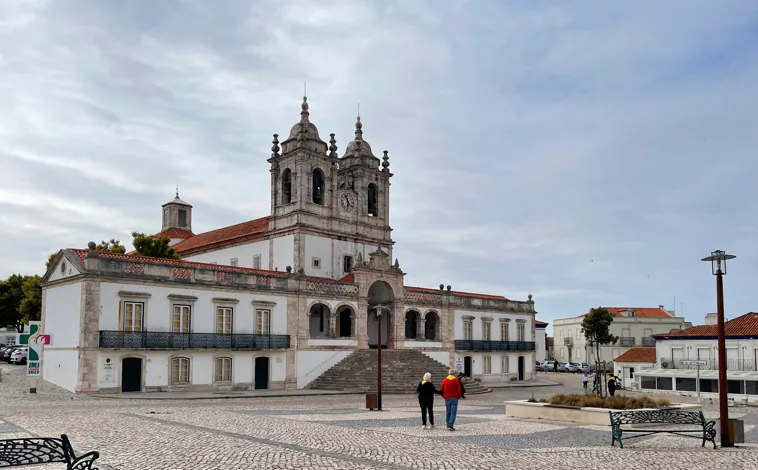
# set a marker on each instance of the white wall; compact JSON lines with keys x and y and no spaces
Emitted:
{"x":63,"y":314}
{"x":243,"y":253}
{"x":60,"y":271}
{"x":497,"y":372}
{"x":330,"y":252}
{"x":311,"y":364}
{"x":738,"y":350}
{"x":541,"y":344}
{"x":158,"y":312}
{"x":495,"y":333}
{"x":284,"y":253}
{"x":60,"y":367}
{"x":443,"y":357}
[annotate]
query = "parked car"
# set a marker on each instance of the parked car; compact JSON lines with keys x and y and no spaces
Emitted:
{"x":547,"y":366}
{"x":572,"y":367}
{"x":562,"y":367}
{"x":584,"y":367}
{"x":6,"y":355}
{"x":20,"y":355}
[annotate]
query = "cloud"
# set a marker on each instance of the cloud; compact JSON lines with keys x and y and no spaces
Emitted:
{"x":586,"y":154}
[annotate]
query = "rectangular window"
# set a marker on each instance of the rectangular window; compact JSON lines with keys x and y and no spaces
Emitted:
{"x":233,"y":262}
{"x":467,"y":330}
{"x":487,"y":365}
{"x":256,"y":261}
{"x":262,"y":322}
{"x":504,"y":364}
{"x":133,"y":316}
{"x":224,"y":320}
{"x":180,"y":371}
{"x":182,"y":218}
{"x":486,"y":330}
{"x":648,"y":383}
{"x":665,"y":383}
{"x":223,"y":369}
{"x":347,"y":264}
{"x":615,"y":352}
{"x":181,"y":323}
{"x":522,"y":332}
{"x":684,"y":384}
{"x":648,"y":332}
{"x":503,"y":331}
{"x":316,"y":263}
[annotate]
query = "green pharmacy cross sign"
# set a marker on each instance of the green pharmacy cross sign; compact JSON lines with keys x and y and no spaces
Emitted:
{"x":35,"y":340}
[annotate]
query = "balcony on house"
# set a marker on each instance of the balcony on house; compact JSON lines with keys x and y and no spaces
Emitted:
{"x":648,"y":342}
{"x":479,"y":345}
{"x":626,"y":341}
{"x":739,"y":365}
{"x":169,"y":340}
{"x":568,"y":341}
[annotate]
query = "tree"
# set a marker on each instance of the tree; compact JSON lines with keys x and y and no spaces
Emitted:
{"x":596,"y":328}
{"x":30,"y":308}
{"x":155,"y":247}
{"x":112,"y":246}
{"x":50,"y":260}
{"x":11,"y":295}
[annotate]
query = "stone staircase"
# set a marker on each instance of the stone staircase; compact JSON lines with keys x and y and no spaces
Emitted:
{"x":402,"y":370}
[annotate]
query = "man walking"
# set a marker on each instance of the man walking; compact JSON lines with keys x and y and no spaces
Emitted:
{"x":451,"y":392}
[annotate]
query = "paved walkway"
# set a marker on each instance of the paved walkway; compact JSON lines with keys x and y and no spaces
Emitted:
{"x":219,"y":395}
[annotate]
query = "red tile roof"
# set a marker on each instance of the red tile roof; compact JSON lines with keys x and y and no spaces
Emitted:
{"x":251,"y":229}
{"x":638,"y":355}
{"x":424,"y":290}
{"x":745,"y":325}
{"x":540,"y":323}
{"x":81,"y":254}
{"x":175,"y":233}
{"x":646,"y":312}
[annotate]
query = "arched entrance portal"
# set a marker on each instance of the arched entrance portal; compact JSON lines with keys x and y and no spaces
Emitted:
{"x":379,"y":294}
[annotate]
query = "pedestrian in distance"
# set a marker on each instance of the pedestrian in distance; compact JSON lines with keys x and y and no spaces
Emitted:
{"x":585,"y":380}
{"x":426,"y":391}
{"x":451,"y":392}
{"x":612,"y":386}
{"x":462,"y":380}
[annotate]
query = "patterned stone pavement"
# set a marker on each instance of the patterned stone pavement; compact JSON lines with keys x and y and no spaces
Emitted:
{"x":336,"y":433}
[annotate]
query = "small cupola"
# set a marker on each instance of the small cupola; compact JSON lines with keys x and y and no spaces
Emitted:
{"x":177,"y":214}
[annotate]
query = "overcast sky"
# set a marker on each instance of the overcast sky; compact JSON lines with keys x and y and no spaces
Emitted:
{"x":588,"y":153}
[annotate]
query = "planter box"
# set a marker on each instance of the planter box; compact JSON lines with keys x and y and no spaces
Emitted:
{"x":571,"y":414}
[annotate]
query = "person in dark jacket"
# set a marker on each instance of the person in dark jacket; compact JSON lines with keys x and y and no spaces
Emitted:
{"x":612,"y":386}
{"x":462,"y":380}
{"x":426,"y":391}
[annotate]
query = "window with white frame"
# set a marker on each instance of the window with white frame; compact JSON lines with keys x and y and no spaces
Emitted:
{"x":233,"y":262}
{"x":180,"y":370}
{"x":262,"y":322}
{"x":133,"y":312}
{"x":486,"y":331}
{"x":503,"y":331}
{"x":504,"y":365}
{"x":467,"y":333}
{"x":182,"y":319}
{"x":563,"y":353}
{"x":487,"y":365}
{"x":224,"y":317}
{"x":223,"y":369}
{"x":522,"y":332}
{"x":256,"y":261}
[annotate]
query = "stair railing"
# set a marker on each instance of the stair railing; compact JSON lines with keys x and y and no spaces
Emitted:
{"x":352,"y":343}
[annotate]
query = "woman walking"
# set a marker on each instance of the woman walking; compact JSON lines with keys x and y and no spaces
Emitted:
{"x":426,"y":391}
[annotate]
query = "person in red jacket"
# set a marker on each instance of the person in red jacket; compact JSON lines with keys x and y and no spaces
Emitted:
{"x":451,"y":392}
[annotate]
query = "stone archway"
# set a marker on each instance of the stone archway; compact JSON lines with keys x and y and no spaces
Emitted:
{"x":345,"y":322}
{"x":412,"y":321}
{"x":380,"y":294}
{"x":318,"y":321}
{"x":432,"y":326}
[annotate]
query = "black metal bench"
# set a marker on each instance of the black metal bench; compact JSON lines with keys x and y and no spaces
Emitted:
{"x":707,"y":429}
{"x":42,"y":450}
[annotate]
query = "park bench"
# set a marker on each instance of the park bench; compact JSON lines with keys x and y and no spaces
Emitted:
{"x":707,"y":429}
{"x":42,"y":450}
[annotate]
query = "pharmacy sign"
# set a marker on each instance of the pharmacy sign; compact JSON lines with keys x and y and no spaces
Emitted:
{"x":35,"y":340}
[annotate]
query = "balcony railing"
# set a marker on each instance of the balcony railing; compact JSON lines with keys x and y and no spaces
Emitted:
{"x":479,"y":345}
{"x":568,"y":341}
{"x":626,"y":341}
{"x":744,"y":365}
{"x":648,"y":342}
{"x":168,"y":340}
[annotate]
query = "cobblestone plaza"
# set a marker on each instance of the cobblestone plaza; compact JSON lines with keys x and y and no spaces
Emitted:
{"x":335,"y":432}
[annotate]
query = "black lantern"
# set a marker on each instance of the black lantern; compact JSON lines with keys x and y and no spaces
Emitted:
{"x":718,"y":261}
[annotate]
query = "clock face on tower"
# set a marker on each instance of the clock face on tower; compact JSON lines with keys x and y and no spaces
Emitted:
{"x":347,"y":201}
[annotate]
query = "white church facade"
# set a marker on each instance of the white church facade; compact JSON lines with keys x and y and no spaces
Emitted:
{"x":273,"y":302}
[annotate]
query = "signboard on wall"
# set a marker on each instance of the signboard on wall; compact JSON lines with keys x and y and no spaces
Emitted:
{"x":458,"y":364}
{"x":35,"y":340}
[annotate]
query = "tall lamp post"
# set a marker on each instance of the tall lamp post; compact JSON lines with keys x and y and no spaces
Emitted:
{"x":378,"y":309}
{"x":718,"y":268}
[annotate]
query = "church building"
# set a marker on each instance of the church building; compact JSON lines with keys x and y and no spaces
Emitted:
{"x":283,"y":301}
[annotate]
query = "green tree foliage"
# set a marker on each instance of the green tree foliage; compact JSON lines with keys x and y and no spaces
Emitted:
{"x":11,"y":295}
{"x":156,"y":247}
{"x":112,"y":246}
{"x":30,"y":308}
{"x":50,"y":260}
{"x":596,"y":328}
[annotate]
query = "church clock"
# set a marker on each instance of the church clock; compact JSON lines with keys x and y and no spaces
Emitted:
{"x":347,"y":201}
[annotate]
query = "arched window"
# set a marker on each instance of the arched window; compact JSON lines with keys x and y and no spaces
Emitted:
{"x":318,"y":186}
{"x":318,"y":322}
{"x":412,"y":319}
{"x":287,"y":186}
{"x":432,"y":326}
{"x":373,"y":200}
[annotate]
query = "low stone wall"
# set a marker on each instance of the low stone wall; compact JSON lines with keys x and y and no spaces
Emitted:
{"x":571,"y":414}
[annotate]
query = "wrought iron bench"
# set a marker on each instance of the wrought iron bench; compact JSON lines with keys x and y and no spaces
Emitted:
{"x":707,"y":429}
{"x":42,"y":450}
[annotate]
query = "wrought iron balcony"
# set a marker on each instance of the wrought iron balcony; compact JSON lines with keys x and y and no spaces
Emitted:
{"x":479,"y":345}
{"x":168,"y":340}
{"x":740,"y":365}
{"x":626,"y":341}
{"x":648,"y":341}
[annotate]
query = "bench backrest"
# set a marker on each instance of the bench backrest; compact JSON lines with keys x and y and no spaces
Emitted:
{"x":657,"y":417}
{"x":31,"y":451}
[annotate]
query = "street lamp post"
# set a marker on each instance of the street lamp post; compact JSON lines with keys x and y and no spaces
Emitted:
{"x":718,"y":268}
{"x":378,"y":310}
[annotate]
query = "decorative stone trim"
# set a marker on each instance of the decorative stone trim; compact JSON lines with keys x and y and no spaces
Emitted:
{"x":134,"y":268}
{"x":520,"y":321}
{"x":505,"y":320}
{"x":182,"y":298}
{"x":134,"y":295}
{"x":467,"y":317}
{"x":182,"y":273}
{"x":265,"y":304}
{"x":487,"y":319}
{"x":224,"y":300}
{"x":224,"y":277}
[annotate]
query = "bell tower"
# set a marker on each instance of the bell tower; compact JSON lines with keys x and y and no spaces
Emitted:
{"x":177,"y":214}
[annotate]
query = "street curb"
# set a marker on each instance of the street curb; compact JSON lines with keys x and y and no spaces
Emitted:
{"x":155,"y":396}
{"x":550,"y":384}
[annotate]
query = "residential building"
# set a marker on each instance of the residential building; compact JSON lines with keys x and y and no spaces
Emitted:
{"x":633,"y":361}
{"x":276,"y":301}
{"x":541,"y":340}
{"x":549,"y":342}
{"x":676,"y":373}
{"x":634,"y":326}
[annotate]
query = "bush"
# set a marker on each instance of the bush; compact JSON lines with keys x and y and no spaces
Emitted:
{"x":613,"y":403}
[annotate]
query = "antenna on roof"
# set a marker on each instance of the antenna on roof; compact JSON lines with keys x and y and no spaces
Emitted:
{"x":177,"y":190}
{"x":359,"y":109}
{"x":305,"y":88}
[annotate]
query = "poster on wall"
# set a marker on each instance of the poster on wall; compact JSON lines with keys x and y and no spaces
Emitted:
{"x":458,"y":364}
{"x":35,"y":340}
